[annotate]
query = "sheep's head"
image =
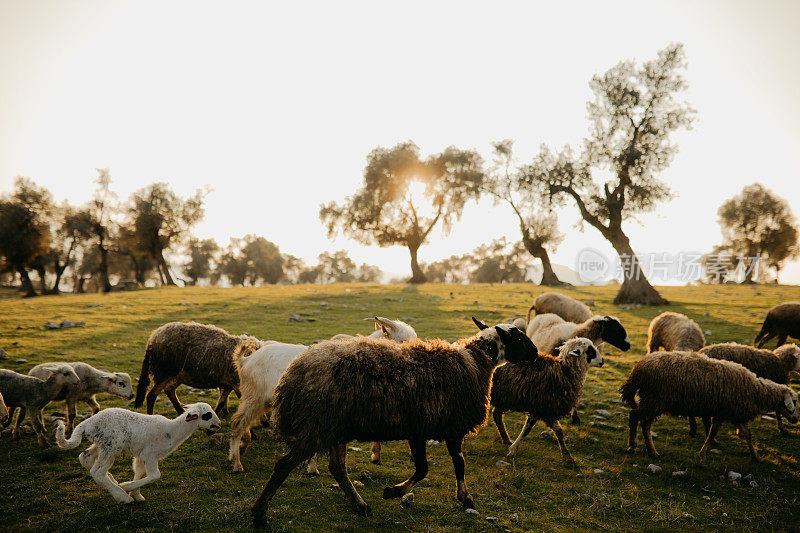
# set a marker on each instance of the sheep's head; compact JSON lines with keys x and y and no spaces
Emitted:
{"x":65,"y":375}
{"x":613,"y":333}
{"x":789,"y":406}
{"x":120,"y":384}
{"x":789,"y":354}
{"x":581,"y":350}
{"x":202,"y":414}
{"x":395,"y":330}
{"x":513,"y":346}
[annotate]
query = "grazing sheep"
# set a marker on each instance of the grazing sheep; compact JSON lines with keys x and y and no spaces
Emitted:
{"x":260,"y":371}
{"x":674,"y":332}
{"x":32,"y":394}
{"x":3,"y":410}
{"x":782,"y":321}
{"x":559,"y":304}
{"x":691,"y":384}
{"x":549,"y":331}
{"x":93,"y":381}
{"x":199,"y":355}
{"x":378,"y":390}
{"x":148,"y":438}
{"x":772,"y":365}
{"x":546,"y":388}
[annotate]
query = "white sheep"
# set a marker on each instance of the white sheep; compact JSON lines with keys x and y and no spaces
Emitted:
{"x":260,"y":371}
{"x":148,"y":438}
{"x":92,"y":382}
{"x":562,"y":305}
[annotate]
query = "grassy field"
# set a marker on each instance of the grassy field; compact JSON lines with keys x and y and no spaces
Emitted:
{"x":49,"y":490}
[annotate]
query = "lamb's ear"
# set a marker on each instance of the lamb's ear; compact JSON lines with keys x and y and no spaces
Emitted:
{"x":789,"y":401}
{"x":386,"y":325}
{"x":505,"y":337}
{"x":190,"y":417}
{"x":481,"y":325}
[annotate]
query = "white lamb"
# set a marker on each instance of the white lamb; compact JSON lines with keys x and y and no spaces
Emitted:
{"x":148,"y":438}
{"x":260,"y":371}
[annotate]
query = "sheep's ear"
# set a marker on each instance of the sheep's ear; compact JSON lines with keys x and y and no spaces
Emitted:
{"x":505,"y":337}
{"x":191,"y":417}
{"x":384,"y":324}
{"x":789,"y":401}
{"x":481,"y":325}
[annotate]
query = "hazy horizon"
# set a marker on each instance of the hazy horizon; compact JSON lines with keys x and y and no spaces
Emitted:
{"x":277,"y":107}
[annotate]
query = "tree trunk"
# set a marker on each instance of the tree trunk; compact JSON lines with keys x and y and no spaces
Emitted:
{"x":417,"y":275}
{"x":635,"y":288}
{"x":27,"y":285}
{"x":549,"y":278}
{"x":104,"y":267}
{"x":165,"y":268}
{"x":80,"y":286}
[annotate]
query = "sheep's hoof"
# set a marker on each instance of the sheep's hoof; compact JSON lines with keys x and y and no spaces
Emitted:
{"x":375,"y":460}
{"x":259,"y":519}
{"x":756,"y":458}
{"x":631,"y":450}
{"x":468,"y":502}
{"x":511,"y":454}
{"x":363,"y":510}
{"x":390,"y":493}
{"x":312,"y":472}
{"x":576,"y":421}
{"x":238,"y":469}
{"x":569,"y":461}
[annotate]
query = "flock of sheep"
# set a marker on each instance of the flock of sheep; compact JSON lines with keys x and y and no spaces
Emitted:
{"x":393,"y":386}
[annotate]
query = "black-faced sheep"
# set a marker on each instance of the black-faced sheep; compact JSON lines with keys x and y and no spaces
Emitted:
{"x":691,"y":384}
{"x":559,"y":304}
{"x":31,"y":395}
{"x":549,"y":331}
{"x":260,"y":371}
{"x":198,"y":355}
{"x":148,"y":438}
{"x":782,"y":321}
{"x":546,"y":388}
{"x":93,"y":381}
{"x":674,"y":332}
{"x":378,"y":390}
{"x":774,"y":365}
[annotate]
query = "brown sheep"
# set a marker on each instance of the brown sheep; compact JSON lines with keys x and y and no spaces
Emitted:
{"x":546,"y":388}
{"x":674,"y":332}
{"x":199,"y":355}
{"x":774,"y":365}
{"x":782,"y":321}
{"x":559,"y":304}
{"x":691,"y":384}
{"x":378,"y":390}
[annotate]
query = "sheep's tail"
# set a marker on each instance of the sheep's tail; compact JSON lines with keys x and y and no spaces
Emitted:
{"x":533,"y":308}
{"x":73,"y":441}
{"x":144,"y":380}
{"x":628,"y":391}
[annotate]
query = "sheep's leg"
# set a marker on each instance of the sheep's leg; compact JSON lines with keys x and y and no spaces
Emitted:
{"x":529,"y":423}
{"x":7,"y":421}
{"x":576,"y":420}
{"x":692,"y":426}
{"x":462,"y":494}
{"x":158,"y":386}
{"x":38,"y":427}
{"x":338,"y":468}
{"x":17,"y":433}
{"x":312,"y":466}
{"x":245,"y":416}
{"x":707,"y":428}
{"x":744,"y":431}
{"x":153,"y":474}
{"x":282,"y":469}
{"x":93,"y":405}
{"x":716,"y":423}
{"x":375,"y":457}
{"x":71,"y":412}
{"x":647,"y":423}
{"x":139,"y":472}
{"x":765,"y":339}
{"x":633,"y":424}
{"x":497,"y":415}
{"x":99,"y":472}
{"x":559,"y":431}
{"x":222,"y":403}
{"x":173,"y":397}
{"x":88,"y":457}
{"x":781,"y":426}
{"x":417,"y":446}
{"x":781,"y":340}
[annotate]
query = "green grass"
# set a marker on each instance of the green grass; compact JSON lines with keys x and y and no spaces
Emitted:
{"x":48,"y":489}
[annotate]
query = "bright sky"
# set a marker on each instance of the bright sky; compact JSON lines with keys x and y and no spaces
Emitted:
{"x":276,"y":106}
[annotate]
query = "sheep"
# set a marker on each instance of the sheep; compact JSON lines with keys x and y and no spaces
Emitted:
{"x":375,"y":389}
{"x":32,"y":394}
{"x":559,"y":304}
{"x":520,"y":323}
{"x":674,"y":332}
{"x":93,"y":381}
{"x":259,"y":374}
{"x":774,"y":365}
{"x":546,"y":388}
{"x":199,"y":355}
{"x":148,"y":438}
{"x":549,"y":331}
{"x":3,"y":410}
{"x":782,"y":321}
{"x":692,"y":384}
